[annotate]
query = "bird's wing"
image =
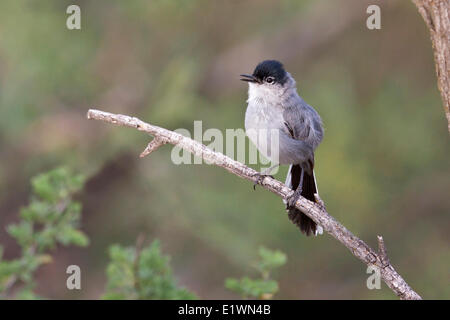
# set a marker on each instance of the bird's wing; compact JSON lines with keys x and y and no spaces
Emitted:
{"x":295,"y":121}
{"x":303,"y":123}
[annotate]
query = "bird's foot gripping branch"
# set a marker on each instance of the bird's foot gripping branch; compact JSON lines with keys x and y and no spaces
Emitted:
{"x":316,"y":211}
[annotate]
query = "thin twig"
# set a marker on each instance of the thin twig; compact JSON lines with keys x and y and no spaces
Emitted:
{"x":316,"y":212}
{"x":382,"y":251}
{"x":152,"y":146}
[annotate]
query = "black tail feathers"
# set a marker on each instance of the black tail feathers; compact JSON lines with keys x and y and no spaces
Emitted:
{"x":305,"y":223}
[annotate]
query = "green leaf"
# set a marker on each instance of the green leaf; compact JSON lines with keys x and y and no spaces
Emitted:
{"x":270,"y":259}
{"x":8,"y":268}
{"x":263,"y":288}
{"x":50,"y":218}
{"x":37,"y":211}
{"x":69,"y":235}
{"x":56,"y":184}
{"x":45,"y":239}
{"x":146,"y":276}
{"x":22,"y":232}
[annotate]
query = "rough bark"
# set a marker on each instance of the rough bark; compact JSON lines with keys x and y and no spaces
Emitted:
{"x":436,"y":14}
{"x":315,"y":211}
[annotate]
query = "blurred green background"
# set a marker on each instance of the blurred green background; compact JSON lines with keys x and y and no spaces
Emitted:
{"x":382,"y":168}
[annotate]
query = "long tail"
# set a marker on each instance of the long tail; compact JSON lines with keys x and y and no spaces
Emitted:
{"x":309,"y":188}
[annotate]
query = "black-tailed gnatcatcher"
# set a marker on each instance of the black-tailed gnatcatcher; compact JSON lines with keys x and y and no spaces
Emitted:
{"x":275,"y":106}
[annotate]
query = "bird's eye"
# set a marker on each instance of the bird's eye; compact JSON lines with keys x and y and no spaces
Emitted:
{"x":270,"y":80}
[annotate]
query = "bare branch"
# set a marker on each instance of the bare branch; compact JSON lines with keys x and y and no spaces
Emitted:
{"x":315,"y":211}
{"x":436,"y":14}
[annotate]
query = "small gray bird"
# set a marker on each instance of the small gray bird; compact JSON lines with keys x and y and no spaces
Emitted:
{"x":274,"y":105}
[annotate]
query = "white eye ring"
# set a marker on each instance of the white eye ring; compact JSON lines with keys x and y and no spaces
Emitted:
{"x":270,"y":80}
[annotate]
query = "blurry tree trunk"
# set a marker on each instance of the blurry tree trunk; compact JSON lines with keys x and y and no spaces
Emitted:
{"x":316,"y":211}
{"x":436,"y":14}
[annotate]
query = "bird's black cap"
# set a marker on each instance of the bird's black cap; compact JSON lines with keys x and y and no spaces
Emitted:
{"x":270,"y":68}
{"x":266,"y":69}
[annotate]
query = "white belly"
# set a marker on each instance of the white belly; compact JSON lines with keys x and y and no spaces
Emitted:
{"x":262,"y":126}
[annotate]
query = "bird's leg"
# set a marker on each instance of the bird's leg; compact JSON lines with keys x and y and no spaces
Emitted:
{"x":262,"y":175}
{"x":319,"y":202}
{"x":292,"y":200}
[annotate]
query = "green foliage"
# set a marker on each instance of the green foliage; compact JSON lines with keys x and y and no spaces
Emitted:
{"x":264,"y":287}
{"x":142,"y":274}
{"x":270,"y":260}
{"x":257,"y":288}
{"x":51,"y":218}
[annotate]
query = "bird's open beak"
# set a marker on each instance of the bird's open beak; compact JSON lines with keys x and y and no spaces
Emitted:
{"x":248,"y":78}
